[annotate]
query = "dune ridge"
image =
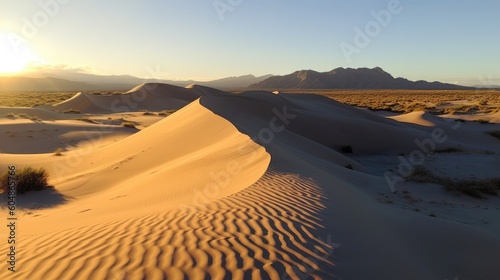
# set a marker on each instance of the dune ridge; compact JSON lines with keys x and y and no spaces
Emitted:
{"x":148,"y":96}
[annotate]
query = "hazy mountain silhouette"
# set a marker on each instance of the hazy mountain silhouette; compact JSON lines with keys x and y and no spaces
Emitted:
{"x":347,"y":78}
{"x":42,"y":84}
{"x":72,"y":81}
{"x":339,"y":78}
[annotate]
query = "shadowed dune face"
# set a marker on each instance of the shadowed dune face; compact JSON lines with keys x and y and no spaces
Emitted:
{"x":44,"y":199}
{"x":312,"y":118}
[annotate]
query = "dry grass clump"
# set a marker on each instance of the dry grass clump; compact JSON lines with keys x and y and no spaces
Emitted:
{"x":482,"y":121}
{"x":24,"y":116}
{"x":128,"y":124}
{"x":346,"y":149}
{"x":72,"y":111}
{"x":449,"y":150}
{"x":472,"y":187}
{"x":494,"y":133}
{"x":58,"y":152}
{"x":86,"y":119}
{"x":27,"y":179}
{"x":33,"y":99}
{"x":147,"y":113}
{"x":106,"y":93}
{"x":167,"y":112}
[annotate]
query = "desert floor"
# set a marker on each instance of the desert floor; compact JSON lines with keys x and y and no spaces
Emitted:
{"x":164,"y":182}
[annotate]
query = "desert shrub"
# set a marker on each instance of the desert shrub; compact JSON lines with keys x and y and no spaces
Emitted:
{"x":346,"y":149}
{"x":27,"y":179}
{"x":147,"y":113}
{"x":449,"y":150}
{"x":475,"y":188}
{"x":24,"y":116}
{"x":472,"y":187}
{"x":128,"y":124}
{"x":86,"y":119}
{"x":482,"y":121}
{"x":494,"y":133}
{"x":167,"y":112}
{"x":72,"y":111}
{"x":58,"y":152}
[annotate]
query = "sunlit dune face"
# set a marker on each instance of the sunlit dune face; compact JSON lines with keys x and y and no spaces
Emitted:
{"x":15,"y":54}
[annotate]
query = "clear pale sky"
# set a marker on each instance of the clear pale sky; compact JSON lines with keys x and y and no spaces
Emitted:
{"x":452,"y":41}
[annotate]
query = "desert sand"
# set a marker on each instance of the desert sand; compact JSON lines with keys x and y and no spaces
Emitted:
{"x":256,"y":185}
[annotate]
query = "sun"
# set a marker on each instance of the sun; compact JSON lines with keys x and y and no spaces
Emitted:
{"x":15,"y":54}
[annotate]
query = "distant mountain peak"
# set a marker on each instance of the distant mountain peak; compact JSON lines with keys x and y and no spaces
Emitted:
{"x":347,"y":78}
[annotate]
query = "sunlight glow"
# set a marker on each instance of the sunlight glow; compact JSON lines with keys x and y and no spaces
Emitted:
{"x":15,"y":54}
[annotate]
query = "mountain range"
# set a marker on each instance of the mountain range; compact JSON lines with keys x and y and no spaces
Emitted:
{"x":347,"y":78}
{"x":339,"y":78}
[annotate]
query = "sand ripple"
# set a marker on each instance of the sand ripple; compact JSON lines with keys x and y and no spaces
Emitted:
{"x":270,"y":230}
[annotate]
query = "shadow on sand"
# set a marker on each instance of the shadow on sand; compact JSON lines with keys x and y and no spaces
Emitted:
{"x":34,"y":200}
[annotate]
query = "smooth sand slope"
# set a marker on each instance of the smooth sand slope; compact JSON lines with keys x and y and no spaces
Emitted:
{"x":249,"y":186}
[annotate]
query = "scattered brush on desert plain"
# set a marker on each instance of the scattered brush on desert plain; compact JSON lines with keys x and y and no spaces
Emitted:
{"x":164,"y":182}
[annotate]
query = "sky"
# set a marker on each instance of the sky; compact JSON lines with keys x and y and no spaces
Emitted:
{"x":451,"y":41}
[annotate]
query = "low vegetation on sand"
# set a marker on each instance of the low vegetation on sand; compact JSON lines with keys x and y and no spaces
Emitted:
{"x":406,"y":101}
{"x":494,"y":133}
{"x":32,"y":99}
{"x":473,"y":187}
{"x":72,"y":111}
{"x":26,"y":179}
{"x":128,"y":124}
{"x":402,"y":101}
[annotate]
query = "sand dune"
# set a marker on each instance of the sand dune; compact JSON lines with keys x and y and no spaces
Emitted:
{"x":29,"y":137}
{"x":248,"y":186}
{"x":150,"y":96}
